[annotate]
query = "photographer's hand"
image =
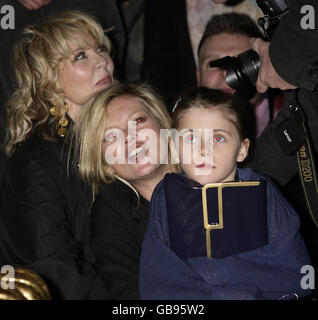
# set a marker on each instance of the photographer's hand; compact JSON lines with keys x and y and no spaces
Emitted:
{"x":267,"y":76}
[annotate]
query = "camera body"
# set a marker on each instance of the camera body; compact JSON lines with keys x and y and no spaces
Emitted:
{"x":242,"y":72}
{"x":272,"y":8}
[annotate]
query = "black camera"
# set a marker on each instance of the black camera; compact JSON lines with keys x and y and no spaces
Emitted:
{"x":242,"y":71}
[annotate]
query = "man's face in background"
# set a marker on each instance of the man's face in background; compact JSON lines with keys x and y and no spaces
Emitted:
{"x":216,"y":47}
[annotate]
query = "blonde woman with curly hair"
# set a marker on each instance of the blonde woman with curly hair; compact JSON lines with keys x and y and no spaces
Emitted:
{"x":45,"y":209}
{"x":122,"y":145}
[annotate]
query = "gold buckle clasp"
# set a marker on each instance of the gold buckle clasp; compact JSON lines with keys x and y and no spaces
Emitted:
{"x":218,"y":225}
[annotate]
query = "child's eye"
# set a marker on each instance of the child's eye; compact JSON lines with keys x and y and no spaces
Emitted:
{"x":140,"y":120}
{"x":219,"y":139}
{"x":190,"y":139}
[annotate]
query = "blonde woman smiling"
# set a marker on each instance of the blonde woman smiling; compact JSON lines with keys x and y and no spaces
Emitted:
{"x":120,"y":211}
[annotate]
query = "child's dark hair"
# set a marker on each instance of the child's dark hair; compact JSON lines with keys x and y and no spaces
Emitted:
{"x":232,"y":104}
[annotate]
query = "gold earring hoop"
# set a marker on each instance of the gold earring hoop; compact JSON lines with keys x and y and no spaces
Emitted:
{"x":62,"y":122}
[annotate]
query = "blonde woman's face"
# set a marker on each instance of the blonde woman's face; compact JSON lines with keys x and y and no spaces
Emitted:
{"x":132,"y":140}
{"x":88,"y":71}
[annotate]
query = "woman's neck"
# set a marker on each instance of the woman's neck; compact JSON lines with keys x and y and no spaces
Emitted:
{"x":147,"y":185}
{"x":73,"y":110}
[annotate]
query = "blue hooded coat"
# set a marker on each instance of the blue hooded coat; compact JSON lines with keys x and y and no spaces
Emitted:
{"x":272,"y":271}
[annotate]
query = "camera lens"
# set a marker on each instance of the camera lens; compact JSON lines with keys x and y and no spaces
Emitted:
{"x":250,"y":64}
{"x":243,"y":71}
{"x":234,"y":75}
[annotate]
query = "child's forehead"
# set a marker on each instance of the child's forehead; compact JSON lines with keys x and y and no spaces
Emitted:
{"x":202,"y":113}
{"x":210,"y":118}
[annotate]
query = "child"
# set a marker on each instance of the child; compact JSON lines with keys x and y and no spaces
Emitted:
{"x":245,"y":264}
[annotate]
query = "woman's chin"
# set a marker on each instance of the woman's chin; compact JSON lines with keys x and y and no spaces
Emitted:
{"x":144,"y":169}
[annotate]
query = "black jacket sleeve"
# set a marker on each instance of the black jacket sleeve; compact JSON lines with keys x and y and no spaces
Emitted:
{"x":44,"y":228}
{"x":293,"y":49}
{"x":117,"y":235}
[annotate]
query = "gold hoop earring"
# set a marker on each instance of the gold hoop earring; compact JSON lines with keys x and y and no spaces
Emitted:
{"x":63,"y":122}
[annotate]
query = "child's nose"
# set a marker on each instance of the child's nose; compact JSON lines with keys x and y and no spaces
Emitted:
{"x":205,"y":149}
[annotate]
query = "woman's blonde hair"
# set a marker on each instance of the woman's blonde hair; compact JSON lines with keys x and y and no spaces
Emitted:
{"x":89,"y":130}
{"x":38,"y":56}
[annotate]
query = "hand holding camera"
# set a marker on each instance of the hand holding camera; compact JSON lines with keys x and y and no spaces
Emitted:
{"x":253,"y":67}
{"x":267,"y":76}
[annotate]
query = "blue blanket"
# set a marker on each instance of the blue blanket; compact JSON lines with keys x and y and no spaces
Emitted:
{"x":269,"y":272}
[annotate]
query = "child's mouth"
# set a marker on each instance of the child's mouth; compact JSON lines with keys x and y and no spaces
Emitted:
{"x":205,"y":166}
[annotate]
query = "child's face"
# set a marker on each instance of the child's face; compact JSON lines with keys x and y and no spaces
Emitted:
{"x":214,"y":159}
